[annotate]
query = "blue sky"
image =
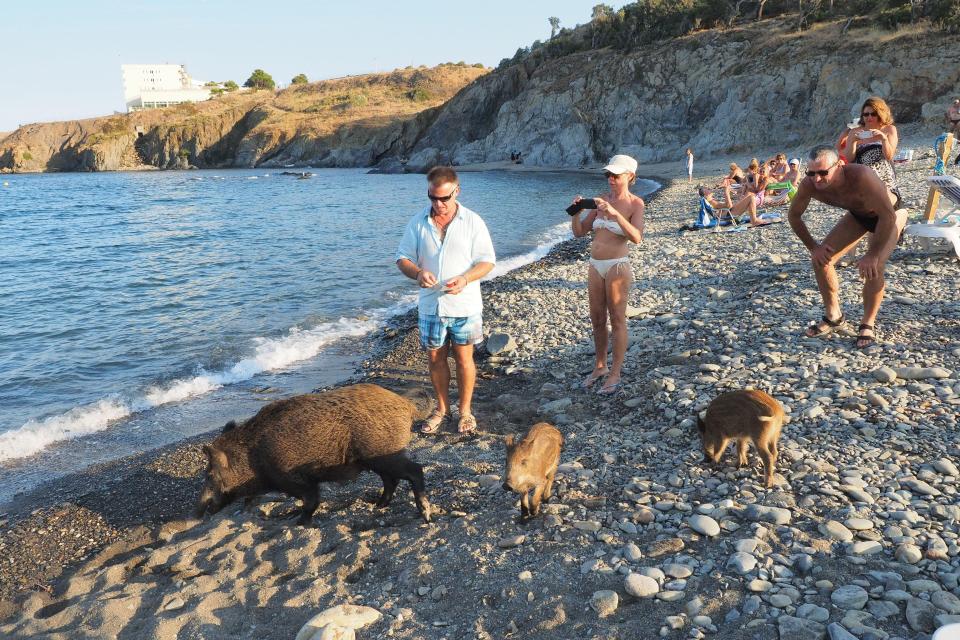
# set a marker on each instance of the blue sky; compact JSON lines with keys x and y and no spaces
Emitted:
{"x":62,"y":57}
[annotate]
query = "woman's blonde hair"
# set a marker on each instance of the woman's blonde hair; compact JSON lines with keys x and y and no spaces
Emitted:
{"x":754,"y":165}
{"x":734,"y":167}
{"x":878,"y":104}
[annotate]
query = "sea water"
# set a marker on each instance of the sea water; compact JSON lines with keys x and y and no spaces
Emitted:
{"x":140,"y":308}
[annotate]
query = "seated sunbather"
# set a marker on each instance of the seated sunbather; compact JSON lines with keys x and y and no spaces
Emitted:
{"x":778,"y":168}
{"x":793,"y":176}
{"x":734,"y":177}
{"x":755,"y":186}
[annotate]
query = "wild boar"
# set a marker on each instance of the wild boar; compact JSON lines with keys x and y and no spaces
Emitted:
{"x":532,"y":465}
{"x":291,"y":445}
{"x":743,"y":416}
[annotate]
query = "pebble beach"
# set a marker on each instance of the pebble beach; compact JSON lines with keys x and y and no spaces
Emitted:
{"x":859,"y":538}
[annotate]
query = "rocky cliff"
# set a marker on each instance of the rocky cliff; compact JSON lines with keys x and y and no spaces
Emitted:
{"x":753,"y":87}
{"x":756,"y":86}
{"x":353,"y":121}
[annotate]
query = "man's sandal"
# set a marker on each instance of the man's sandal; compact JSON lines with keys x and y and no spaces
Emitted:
{"x":866,"y":341}
{"x":433,"y":422}
{"x":467,"y":424}
{"x":824,"y":327}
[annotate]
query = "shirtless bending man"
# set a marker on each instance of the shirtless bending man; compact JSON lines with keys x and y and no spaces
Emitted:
{"x":871,"y":208}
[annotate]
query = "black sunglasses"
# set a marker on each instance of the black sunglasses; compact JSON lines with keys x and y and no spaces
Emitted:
{"x":868,"y":114}
{"x":445,"y":198}
{"x":822,"y":173}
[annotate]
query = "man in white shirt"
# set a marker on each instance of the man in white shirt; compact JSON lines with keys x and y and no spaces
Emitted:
{"x":447,"y":249}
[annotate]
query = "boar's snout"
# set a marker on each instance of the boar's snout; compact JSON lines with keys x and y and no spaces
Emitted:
{"x":506,"y":486}
{"x":210,"y":501}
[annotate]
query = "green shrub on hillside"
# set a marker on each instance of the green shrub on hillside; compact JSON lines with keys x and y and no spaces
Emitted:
{"x":300,"y":78}
{"x":418,"y":94}
{"x":230,"y":85}
{"x":260,"y":79}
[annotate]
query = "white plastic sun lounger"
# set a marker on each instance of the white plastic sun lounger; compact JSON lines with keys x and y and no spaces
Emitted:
{"x":947,"y":226}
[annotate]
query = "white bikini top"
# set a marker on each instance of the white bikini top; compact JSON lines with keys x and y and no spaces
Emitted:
{"x":609,"y":225}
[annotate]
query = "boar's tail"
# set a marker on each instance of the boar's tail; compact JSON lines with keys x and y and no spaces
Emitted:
{"x":701,"y":425}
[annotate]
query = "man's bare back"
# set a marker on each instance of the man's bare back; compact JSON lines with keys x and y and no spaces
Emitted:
{"x":858,"y":191}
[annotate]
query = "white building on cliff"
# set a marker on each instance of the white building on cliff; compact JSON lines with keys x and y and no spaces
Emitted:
{"x":150,"y":86}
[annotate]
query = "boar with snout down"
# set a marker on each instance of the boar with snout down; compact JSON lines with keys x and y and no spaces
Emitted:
{"x":744,"y":416}
{"x":531,"y":466}
{"x":292,"y":445}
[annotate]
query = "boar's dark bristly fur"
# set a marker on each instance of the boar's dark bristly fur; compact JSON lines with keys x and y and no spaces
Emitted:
{"x":291,"y":445}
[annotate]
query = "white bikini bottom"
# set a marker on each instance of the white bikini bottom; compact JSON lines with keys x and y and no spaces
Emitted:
{"x":603,"y":266}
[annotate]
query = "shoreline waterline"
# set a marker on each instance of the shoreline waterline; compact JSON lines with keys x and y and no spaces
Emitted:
{"x":297,"y":349}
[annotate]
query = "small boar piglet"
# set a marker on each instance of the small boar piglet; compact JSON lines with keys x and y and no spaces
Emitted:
{"x":292,"y":445}
{"x":532,"y":465}
{"x":744,"y":416}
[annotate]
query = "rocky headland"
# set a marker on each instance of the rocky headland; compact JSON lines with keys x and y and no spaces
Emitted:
{"x":858,"y":539}
{"x":346,"y":122}
{"x":755,"y":85}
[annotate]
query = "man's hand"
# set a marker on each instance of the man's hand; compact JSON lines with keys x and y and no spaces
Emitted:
{"x":822,"y":255}
{"x":426,"y":279}
{"x":869,"y":267}
{"x":455,"y":285}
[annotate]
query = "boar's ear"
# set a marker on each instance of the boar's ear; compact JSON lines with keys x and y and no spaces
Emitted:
{"x":509,"y":441}
{"x":216,"y":457}
{"x":230,"y":426}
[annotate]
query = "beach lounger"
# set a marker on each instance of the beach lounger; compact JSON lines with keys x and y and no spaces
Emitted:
{"x":946,"y":226}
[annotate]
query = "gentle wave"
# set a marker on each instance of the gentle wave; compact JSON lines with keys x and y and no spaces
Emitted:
{"x":270,"y":354}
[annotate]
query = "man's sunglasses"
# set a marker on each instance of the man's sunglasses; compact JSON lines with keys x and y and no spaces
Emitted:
{"x":445,"y":198}
{"x":822,"y":172}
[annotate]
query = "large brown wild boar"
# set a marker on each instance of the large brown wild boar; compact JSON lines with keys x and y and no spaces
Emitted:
{"x":291,"y":445}
{"x":743,"y":416}
{"x":532,"y":465}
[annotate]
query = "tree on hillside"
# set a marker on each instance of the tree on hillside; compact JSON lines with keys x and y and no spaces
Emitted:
{"x":260,"y":79}
{"x":230,"y":85}
{"x":300,"y":78}
{"x":554,"y":25}
{"x":601,"y":12}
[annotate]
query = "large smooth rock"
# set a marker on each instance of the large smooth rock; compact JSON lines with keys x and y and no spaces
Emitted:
{"x":704,"y":524}
{"x":849,"y":596}
{"x":792,"y":628}
{"x":640,"y":586}
{"x":498,"y":343}
{"x":773,"y":515}
{"x":349,"y":616}
{"x":604,"y":602}
{"x":922,"y":373}
{"x":920,"y":615}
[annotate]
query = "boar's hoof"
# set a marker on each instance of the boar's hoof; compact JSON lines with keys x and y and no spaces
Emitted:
{"x":424,"y":506}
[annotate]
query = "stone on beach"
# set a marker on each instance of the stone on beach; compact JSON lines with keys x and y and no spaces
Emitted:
{"x":640,"y":586}
{"x":498,"y":343}
{"x":344,"y":616}
{"x":604,"y":602}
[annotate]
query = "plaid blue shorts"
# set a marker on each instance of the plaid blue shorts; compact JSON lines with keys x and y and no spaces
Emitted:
{"x":436,"y":330}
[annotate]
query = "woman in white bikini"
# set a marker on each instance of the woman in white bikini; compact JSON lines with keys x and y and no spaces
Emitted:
{"x":617,"y":220}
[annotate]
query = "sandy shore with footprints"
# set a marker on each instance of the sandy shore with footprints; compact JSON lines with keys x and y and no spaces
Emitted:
{"x":859,"y":536}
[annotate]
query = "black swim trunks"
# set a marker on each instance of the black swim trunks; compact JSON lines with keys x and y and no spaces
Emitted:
{"x":870,"y":222}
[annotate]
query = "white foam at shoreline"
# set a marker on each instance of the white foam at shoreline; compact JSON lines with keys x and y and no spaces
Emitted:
{"x":270,"y":354}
